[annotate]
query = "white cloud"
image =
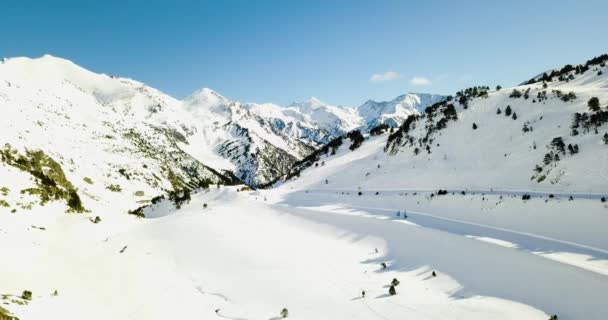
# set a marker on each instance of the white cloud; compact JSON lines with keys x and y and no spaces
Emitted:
{"x":384,"y":77}
{"x":420,"y":81}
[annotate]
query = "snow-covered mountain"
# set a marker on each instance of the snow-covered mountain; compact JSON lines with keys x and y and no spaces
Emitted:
{"x":318,"y":122}
{"x":123,"y":134}
{"x":394,"y":112}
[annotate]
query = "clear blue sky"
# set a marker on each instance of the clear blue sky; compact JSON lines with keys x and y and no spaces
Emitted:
{"x":284,"y":51}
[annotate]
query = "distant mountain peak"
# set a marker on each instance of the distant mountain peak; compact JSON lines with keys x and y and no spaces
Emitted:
{"x":393,"y":112}
{"x":205,"y":97}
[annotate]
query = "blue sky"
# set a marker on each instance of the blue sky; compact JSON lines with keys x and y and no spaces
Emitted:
{"x":284,"y":51}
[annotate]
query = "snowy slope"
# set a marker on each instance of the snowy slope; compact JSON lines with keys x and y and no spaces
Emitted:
{"x":100,"y":134}
{"x":239,"y":258}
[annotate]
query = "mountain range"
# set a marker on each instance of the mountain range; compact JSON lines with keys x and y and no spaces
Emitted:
{"x":202,"y":137}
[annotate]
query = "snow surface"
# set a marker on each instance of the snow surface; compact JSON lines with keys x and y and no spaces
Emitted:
{"x":244,"y":257}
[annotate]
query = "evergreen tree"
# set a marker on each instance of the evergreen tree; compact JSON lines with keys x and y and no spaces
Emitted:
{"x":514,"y":116}
{"x":515,"y":94}
{"x":26,"y":295}
{"x":284,"y":313}
{"x":498,"y":88}
{"x":392,"y":291}
{"x":605,"y":138}
{"x":474,"y":126}
{"x":594,"y":104}
{"x":508,"y":111}
{"x":395,"y":282}
{"x":498,"y":111}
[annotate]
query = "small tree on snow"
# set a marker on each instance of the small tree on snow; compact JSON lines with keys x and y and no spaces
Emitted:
{"x":395,"y":282}
{"x":474,"y":126}
{"x":392,"y":291}
{"x":594,"y":104}
{"x":605,"y":138}
{"x":26,"y":295}
{"x":284,"y":313}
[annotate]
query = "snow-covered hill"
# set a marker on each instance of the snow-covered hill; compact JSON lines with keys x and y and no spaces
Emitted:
{"x":539,"y":137}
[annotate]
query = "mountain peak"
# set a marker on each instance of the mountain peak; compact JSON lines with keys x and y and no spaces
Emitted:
{"x":313,"y":100}
{"x":205,"y":97}
{"x":310,"y":103}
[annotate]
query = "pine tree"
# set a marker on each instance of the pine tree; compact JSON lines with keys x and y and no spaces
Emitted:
{"x":515,"y":94}
{"x":284,"y":313}
{"x":392,"y":291}
{"x":508,"y":111}
{"x":514,"y":116}
{"x":26,"y":295}
{"x":605,"y":138}
{"x":395,"y":282}
{"x":474,"y":126}
{"x":498,"y":111}
{"x":594,"y":104}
